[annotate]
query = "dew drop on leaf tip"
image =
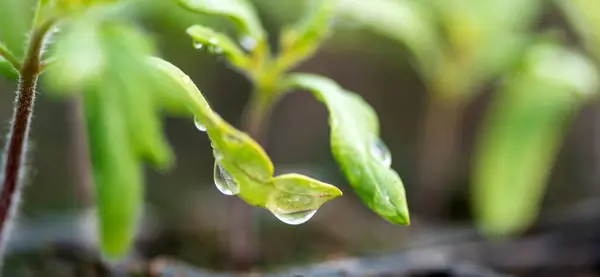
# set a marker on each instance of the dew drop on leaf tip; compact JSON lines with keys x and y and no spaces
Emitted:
{"x":198,"y":45}
{"x":380,"y":151}
{"x":224,"y":181}
{"x":295,"y":218}
{"x":199,"y":125}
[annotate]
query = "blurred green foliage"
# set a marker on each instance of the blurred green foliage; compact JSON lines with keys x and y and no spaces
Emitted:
{"x":458,"y":46}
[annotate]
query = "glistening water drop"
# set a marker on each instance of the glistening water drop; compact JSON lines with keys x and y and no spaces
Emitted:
{"x":199,"y":125}
{"x":380,"y":151}
{"x":295,"y":218}
{"x":224,"y":181}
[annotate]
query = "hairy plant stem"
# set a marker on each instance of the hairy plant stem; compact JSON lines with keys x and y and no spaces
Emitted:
{"x":15,"y":149}
{"x":242,"y":240}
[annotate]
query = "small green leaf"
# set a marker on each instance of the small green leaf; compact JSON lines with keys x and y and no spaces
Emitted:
{"x":217,"y":43}
{"x":357,"y":148}
{"x":241,"y":12}
{"x":242,"y":166}
{"x":301,"y":41}
{"x":522,"y":133}
{"x":297,"y":193}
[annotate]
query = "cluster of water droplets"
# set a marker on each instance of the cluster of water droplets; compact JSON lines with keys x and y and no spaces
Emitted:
{"x":380,"y":152}
{"x":212,"y":45}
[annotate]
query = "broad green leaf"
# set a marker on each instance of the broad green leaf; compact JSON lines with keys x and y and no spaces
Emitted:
{"x":583,"y":15}
{"x":123,"y":110}
{"x":408,"y":22}
{"x":357,"y":148}
{"x":217,"y":43}
{"x":242,"y":166}
{"x":301,"y":41}
{"x":522,"y":134}
{"x":241,"y":12}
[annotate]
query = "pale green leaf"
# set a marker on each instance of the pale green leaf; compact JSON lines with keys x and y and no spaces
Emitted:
{"x":241,"y":12}
{"x":301,"y":41}
{"x":522,"y":134}
{"x":243,"y":161}
{"x":217,"y":43}
{"x":357,"y":148}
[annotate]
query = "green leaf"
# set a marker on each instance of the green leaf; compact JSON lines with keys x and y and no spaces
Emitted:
{"x":522,"y":134}
{"x":301,"y":41}
{"x":241,"y":12}
{"x":117,"y":171}
{"x":408,"y":22}
{"x":242,"y":166}
{"x":217,"y":43}
{"x":357,"y":148}
{"x":122,"y":107}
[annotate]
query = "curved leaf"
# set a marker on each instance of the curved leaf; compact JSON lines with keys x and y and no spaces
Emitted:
{"x":243,"y":162}
{"x":357,"y":148}
{"x":522,"y":134}
{"x":241,"y":12}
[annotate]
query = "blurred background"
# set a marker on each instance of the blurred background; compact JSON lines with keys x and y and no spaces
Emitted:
{"x":445,"y":77}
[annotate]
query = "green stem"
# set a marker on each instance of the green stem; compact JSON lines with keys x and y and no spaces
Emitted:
{"x":15,"y":148}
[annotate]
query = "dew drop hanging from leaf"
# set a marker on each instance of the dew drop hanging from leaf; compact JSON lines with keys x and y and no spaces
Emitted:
{"x":199,"y":125}
{"x":224,"y":181}
{"x":380,"y":151}
{"x":295,"y":218}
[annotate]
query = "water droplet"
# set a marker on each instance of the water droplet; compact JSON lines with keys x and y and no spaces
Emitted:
{"x":199,"y":125}
{"x":224,"y":182}
{"x":217,"y":50}
{"x":248,"y":43}
{"x":381,"y":152}
{"x":295,"y":218}
{"x":198,"y":45}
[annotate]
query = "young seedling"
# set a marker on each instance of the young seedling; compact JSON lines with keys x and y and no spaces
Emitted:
{"x":111,"y":64}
